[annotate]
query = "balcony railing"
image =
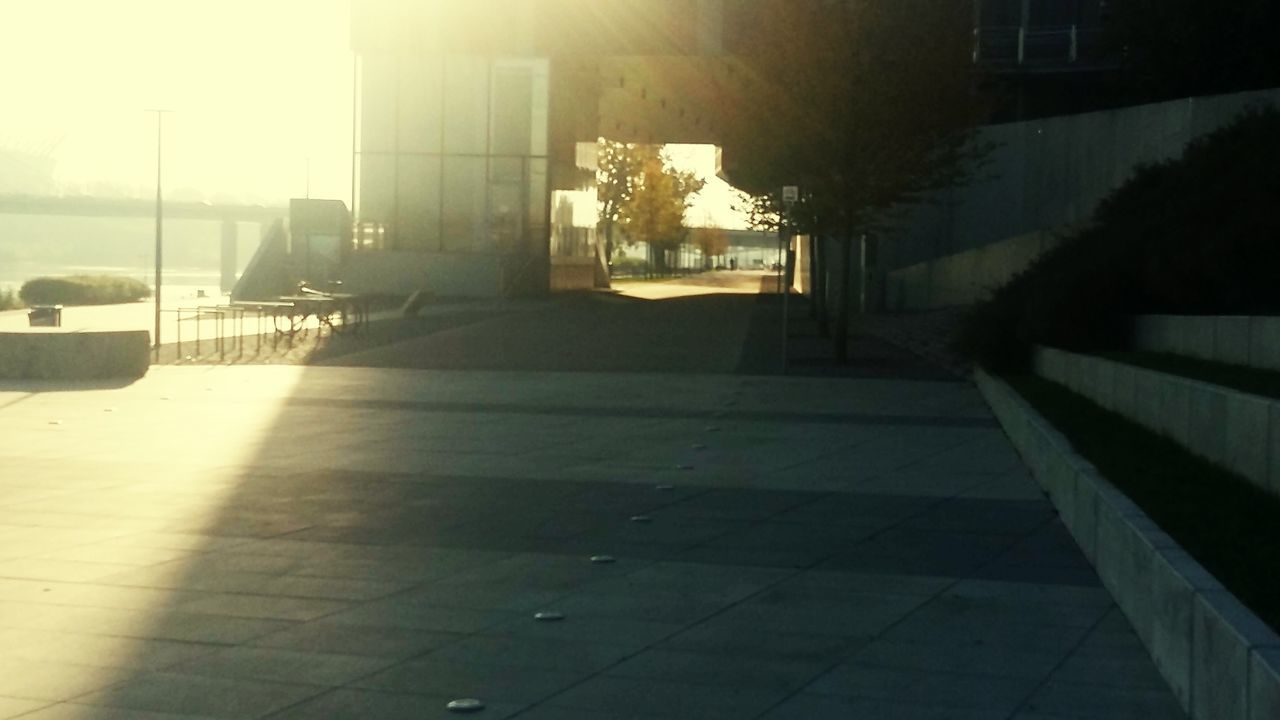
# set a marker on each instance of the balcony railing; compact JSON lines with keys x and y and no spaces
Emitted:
{"x":1042,"y":48}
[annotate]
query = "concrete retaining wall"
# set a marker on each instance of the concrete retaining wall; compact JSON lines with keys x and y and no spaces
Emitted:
{"x":1051,"y":173}
{"x":1232,"y":339}
{"x":573,"y":273}
{"x":61,"y":355}
{"x":1221,"y":661}
{"x":1234,"y":430}
{"x":964,"y":278}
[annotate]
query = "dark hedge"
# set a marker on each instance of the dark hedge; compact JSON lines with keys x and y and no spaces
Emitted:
{"x":1195,"y":235}
{"x":83,"y":290}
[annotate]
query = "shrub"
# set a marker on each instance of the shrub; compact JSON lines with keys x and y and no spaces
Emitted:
{"x":83,"y":290}
{"x":629,"y":266}
{"x":1196,"y":235}
{"x":9,"y":300}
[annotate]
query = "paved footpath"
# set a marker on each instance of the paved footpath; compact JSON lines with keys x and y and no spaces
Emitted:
{"x":371,"y":542}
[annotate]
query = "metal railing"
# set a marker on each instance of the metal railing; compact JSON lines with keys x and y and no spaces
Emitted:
{"x":1062,"y":47}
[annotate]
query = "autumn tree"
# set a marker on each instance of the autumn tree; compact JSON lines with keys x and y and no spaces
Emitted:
{"x":867,"y":105}
{"x":712,"y":241}
{"x":618,"y":168}
{"x":654,"y":212}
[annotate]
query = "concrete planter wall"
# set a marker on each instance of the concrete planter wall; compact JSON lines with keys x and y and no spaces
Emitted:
{"x":1221,"y":660}
{"x":1234,"y":430}
{"x":62,"y":355}
{"x":1234,"y":339}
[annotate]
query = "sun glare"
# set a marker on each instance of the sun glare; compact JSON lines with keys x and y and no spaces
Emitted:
{"x":260,"y":89}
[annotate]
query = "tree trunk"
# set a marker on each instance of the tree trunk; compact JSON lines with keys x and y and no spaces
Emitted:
{"x":841,"y":335}
{"x":822,"y":288}
{"x":813,"y":277}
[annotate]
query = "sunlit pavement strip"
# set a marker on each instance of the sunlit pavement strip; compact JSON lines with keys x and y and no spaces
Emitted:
{"x":247,"y":542}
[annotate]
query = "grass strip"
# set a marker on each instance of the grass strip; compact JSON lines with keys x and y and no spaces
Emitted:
{"x":1239,"y":377}
{"x":1227,"y":524}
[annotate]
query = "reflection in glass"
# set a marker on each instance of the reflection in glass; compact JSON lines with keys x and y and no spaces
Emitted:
{"x":512,"y":105}
{"x":377,"y":103}
{"x":506,"y":203}
{"x":464,"y":204}
{"x":418,"y":206}
{"x":466,"y":105}
{"x":537,"y":203}
{"x":418,"y":105}
{"x":377,"y":187}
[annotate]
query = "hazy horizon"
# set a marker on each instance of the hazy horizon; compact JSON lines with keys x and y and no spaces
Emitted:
{"x":257,"y":90}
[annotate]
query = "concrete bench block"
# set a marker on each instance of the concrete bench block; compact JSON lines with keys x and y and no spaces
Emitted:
{"x":1194,"y":337}
{"x":1273,"y":450}
{"x":1049,"y":364}
{"x":1053,"y":481}
{"x":1106,"y":383}
{"x":1120,"y":571}
{"x":1127,"y":545}
{"x":1264,"y":342}
{"x":1146,"y":332}
{"x":1224,"y":632}
{"x":1071,"y":371}
{"x":1146,"y":399}
{"x":1208,"y":422}
{"x":1176,"y":578}
{"x":1060,"y":483}
{"x":1166,"y":333}
{"x":1124,"y":386}
{"x":1084,"y":512}
{"x":1175,"y":409}
{"x":62,"y":355}
{"x":1264,"y":684}
{"x":1231,"y":339}
{"x":1248,"y":431}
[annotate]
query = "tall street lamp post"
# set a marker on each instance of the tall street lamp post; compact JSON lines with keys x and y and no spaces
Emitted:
{"x":159,"y":223}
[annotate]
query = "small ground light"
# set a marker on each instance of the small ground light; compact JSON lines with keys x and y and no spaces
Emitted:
{"x":602,"y":559}
{"x":548,"y":616}
{"x":641,"y":518}
{"x":684,"y":467}
{"x":665,"y":488}
{"x":465,"y":705}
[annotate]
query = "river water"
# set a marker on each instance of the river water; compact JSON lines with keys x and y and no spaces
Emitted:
{"x":39,"y":245}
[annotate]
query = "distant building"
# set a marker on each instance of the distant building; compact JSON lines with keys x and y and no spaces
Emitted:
{"x":477,"y":123}
{"x":1047,"y":57}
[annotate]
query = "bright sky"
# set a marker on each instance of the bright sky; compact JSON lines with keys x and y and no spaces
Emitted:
{"x":260,"y":89}
{"x":257,"y":86}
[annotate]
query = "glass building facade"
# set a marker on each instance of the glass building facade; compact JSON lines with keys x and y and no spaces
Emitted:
{"x":451,"y":152}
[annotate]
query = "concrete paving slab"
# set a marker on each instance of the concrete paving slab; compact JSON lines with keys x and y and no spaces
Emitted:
{"x":269,"y":536}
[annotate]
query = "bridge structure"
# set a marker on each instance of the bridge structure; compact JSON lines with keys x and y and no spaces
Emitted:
{"x":229,"y":215}
{"x":80,"y":206}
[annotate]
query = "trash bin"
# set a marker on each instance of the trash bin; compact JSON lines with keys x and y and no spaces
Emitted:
{"x":45,"y":316}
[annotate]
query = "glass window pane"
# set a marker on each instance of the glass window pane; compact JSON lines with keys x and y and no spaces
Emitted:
{"x":466,"y":105}
{"x":377,"y":188}
{"x":540,"y":106}
{"x":507,"y":213}
{"x":512,"y":109}
{"x":536,"y":205}
{"x":419,"y":105}
{"x":464,"y":203}
{"x":377,"y":103}
{"x":418,"y":226}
